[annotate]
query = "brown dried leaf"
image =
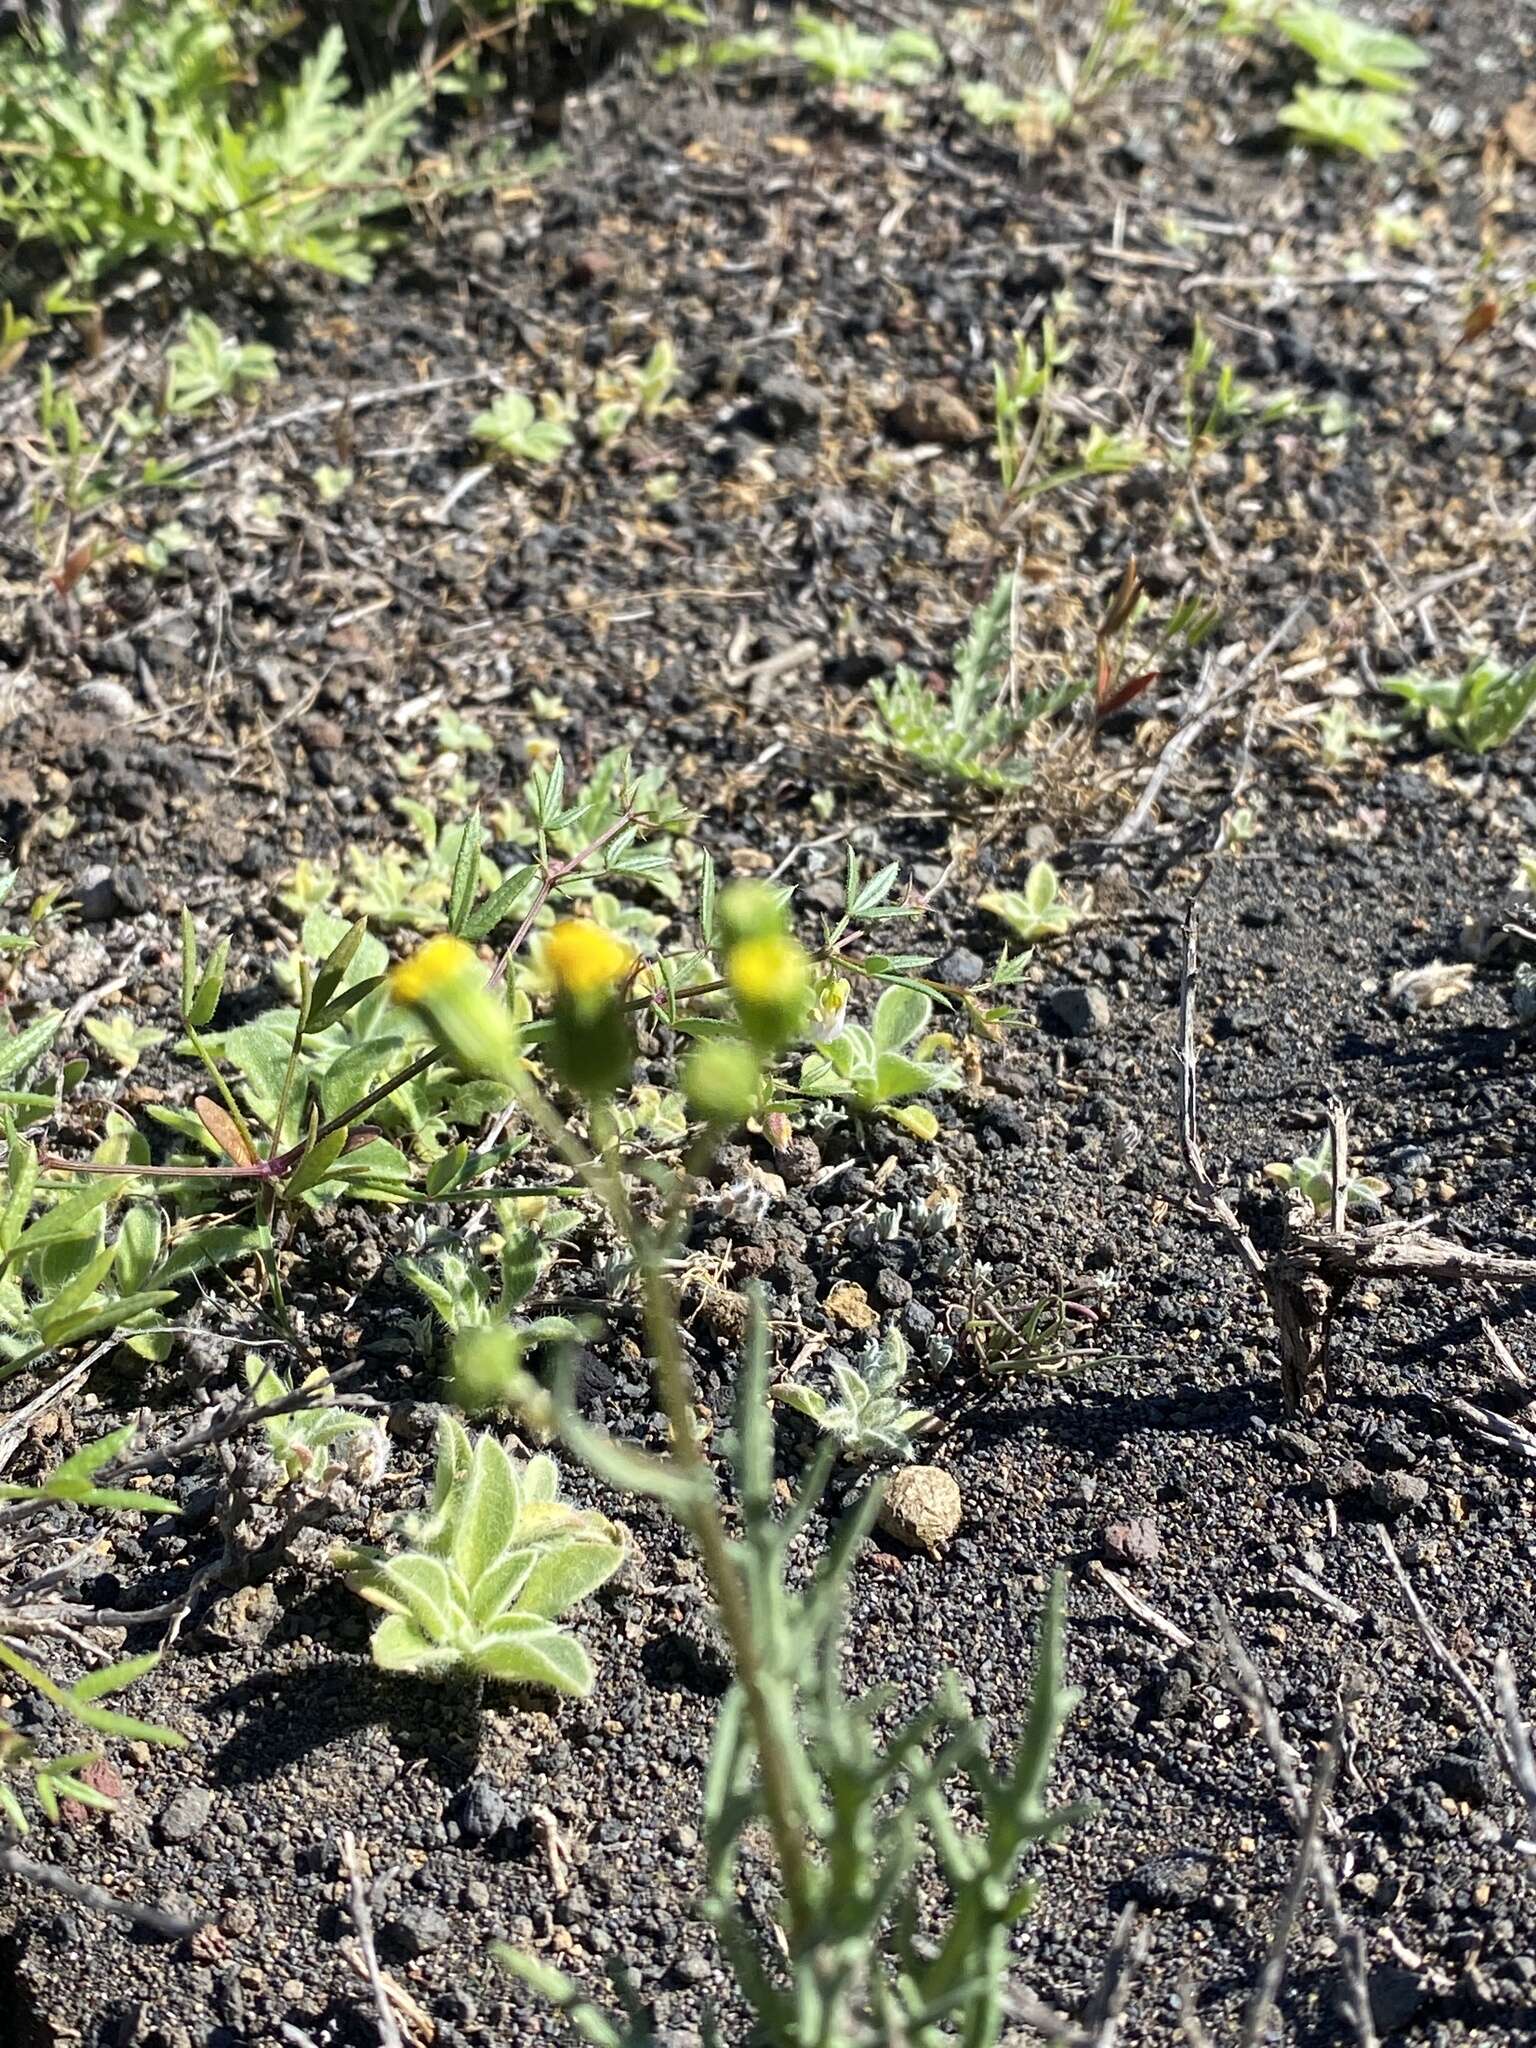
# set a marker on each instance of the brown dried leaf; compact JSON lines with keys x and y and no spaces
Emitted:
{"x":224,"y":1131}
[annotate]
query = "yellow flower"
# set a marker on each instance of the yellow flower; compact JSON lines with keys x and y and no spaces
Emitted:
{"x":771,"y":970}
{"x":446,"y":983}
{"x":769,"y":975}
{"x":583,"y":960}
{"x":431,"y":969}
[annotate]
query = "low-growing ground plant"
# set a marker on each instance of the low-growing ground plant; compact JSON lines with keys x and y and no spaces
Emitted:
{"x":519,"y":430}
{"x":869,"y":1421}
{"x":207,"y":364}
{"x":628,"y":391}
{"x":464,"y":1294}
{"x":1477,"y":710}
{"x":1310,"y":1176}
{"x":1040,"y":911}
{"x":26,"y":1775}
{"x":488,"y":1572}
{"x":882,"y":1068}
{"x":303,"y":1439}
{"x":52,"y":1779}
{"x":971,"y":735}
{"x":142,"y":139}
{"x":1349,"y":51}
{"x":1367,"y":124}
{"x":1218,"y":404}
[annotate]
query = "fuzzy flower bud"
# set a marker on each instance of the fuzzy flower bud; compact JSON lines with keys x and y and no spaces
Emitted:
{"x":765,"y":965}
{"x":445,"y":983}
{"x":721,"y":1081}
{"x":590,"y":1046}
{"x":769,"y":977}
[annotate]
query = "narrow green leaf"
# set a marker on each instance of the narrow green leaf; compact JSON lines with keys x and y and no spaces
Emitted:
{"x":466,"y":873}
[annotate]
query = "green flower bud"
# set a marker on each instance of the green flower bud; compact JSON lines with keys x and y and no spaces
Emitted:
{"x":721,"y":1080}
{"x":445,"y":983}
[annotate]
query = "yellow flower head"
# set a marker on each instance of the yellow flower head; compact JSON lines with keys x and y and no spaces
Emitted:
{"x":583,"y":960}
{"x":768,"y":972}
{"x":431,"y":969}
{"x":446,"y":983}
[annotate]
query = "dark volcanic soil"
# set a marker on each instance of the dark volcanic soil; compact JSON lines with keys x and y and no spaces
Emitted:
{"x":810,"y":270}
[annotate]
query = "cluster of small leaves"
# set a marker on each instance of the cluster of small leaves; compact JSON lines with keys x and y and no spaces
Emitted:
{"x":39,"y":911}
{"x":465,"y":1293}
{"x":1041,"y":910}
{"x":1364,"y":79}
{"x":302,"y":1437}
{"x":521,"y":431}
{"x":300,"y":1069}
{"x":207,"y":364}
{"x":1042,"y":1337}
{"x":144,"y":140}
{"x":627,"y":391}
{"x":62,"y":1279}
{"x":970,"y":735}
{"x":1217,"y":403}
{"x":94,"y":455}
{"x":1342,"y":733}
{"x":1476,"y":711}
{"x":869,"y":1420}
{"x":834,"y":53}
{"x":1033,"y":456}
{"x":537,"y":434}
{"x":863,"y":1962}
{"x":879,"y":1068}
{"x":52,"y":1779}
{"x":1310,"y":1176}
{"x":488,"y":1572}
{"x":56,"y":1778}
{"x":450,"y":879}
{"x":1124,"y":46}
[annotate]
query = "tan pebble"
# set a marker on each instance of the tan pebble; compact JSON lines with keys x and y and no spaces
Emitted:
{"x":921,"y":1508}
{"x":848,"y":1303}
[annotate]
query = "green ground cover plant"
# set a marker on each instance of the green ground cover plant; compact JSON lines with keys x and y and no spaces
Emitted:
{"x":1475,"y":711}
{"x":145,"y":142}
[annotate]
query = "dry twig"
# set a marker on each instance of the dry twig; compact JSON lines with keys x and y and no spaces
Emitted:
{"x":152,"y":1920}
{"x":1305,"y":1282}
{"x":1351,"y":1946}
{"x":362,"y":1920}
{"x":1506,"y":1730}
{"x":1141,"y":1608}
{"x":1267,"y":1990}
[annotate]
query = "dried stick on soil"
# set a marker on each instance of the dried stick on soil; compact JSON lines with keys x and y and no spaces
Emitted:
{"x":1207,"y":1196}
{"x":1140,"y":1608}
{"x":1501,"y":1430}
{"x":324,"y":409}
{"x":362,"y":1920}
{"x":1338,"y":1131}
{"x":1190,"y":2024}
{"x":1351,"y":1946}
{"x":1306,"y":1280}
{"x":1506,"y":1730}
{"x":1518,"y":1736}
{"x":1106,"y":2009}
{"x":153,"y":1920}
{"x":1436,"y":1644}
{"x":1267,"y":1990}
{"x":1315,"y":1591}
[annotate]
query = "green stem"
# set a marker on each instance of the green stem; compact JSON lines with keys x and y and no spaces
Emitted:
{"x":291,"y":1070}
{"x":223,"y":1087}
{"x":674,"y":1385}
